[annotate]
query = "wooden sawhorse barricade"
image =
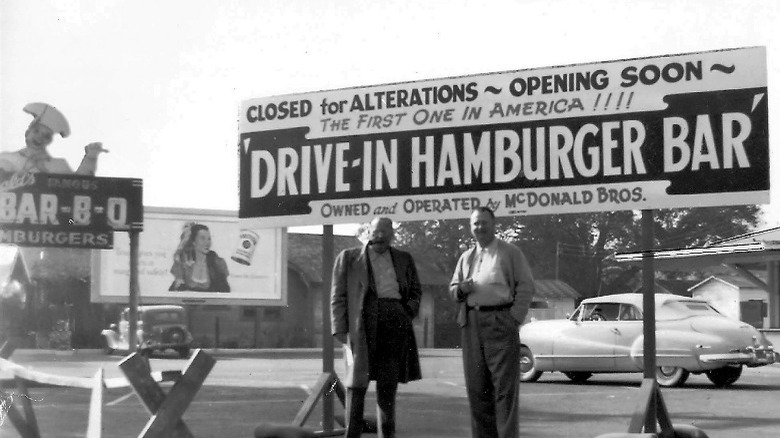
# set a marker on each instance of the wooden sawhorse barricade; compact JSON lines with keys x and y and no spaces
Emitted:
{"x":23,"y":379}
{"x":327,"y":383}
{"x":651,"y":414}
{"x":166,"y":410}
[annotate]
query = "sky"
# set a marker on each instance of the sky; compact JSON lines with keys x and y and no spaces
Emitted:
{"x":160,"y":82}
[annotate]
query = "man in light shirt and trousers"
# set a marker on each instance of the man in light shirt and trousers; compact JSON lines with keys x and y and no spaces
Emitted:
{"x":494,"y":286}
{"x":375,"y":294}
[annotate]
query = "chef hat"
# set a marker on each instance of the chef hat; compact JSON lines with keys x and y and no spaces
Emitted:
{"x":48,"y":116}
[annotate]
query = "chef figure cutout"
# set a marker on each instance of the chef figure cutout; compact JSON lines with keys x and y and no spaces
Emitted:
{"x":47,"y":121}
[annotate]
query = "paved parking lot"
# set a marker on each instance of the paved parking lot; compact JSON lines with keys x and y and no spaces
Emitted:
{"x":246,"y":388}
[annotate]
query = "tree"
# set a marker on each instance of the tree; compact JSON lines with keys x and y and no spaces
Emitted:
{"x":683,"y":228}
{"x":441,"y":240}
{"x":579,"y":248}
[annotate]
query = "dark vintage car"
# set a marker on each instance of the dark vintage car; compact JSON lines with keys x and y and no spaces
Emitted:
{"x":605,"y":335}
{"x":160,"y":328}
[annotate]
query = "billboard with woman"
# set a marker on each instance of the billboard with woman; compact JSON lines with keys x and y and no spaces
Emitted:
{"x":195,"y":257}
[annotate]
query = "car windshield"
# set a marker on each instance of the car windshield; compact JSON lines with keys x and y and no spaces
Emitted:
{"x":684,"y":309}
{"x":126,"y":315}
{"x":167,"y":317}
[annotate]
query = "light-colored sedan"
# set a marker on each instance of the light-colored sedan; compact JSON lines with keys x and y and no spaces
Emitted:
{"x":605,"y":335}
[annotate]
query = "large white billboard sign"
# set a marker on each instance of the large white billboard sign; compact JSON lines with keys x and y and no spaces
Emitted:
{"x":189,"y":256}
{"x":672,"y":131}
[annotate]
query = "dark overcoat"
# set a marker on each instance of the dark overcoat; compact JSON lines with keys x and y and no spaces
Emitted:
{"x":352,"y":282}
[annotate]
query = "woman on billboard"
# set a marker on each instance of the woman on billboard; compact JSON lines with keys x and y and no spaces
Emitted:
{"x":195,"y":266}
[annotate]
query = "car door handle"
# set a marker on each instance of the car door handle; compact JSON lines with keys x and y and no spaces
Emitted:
{"x":615,"y":330}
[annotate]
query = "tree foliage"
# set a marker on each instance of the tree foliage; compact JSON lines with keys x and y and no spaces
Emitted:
{"x":579,"y":248}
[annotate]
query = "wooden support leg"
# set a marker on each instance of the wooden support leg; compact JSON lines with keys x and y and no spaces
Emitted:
{"x":29,"y":413}
{"x":7,"y":349}
{"x":26,"y":424}
{"x":20,"y":423}
{"x":95,"y":426}
{"x":323,"y":384}
{"x":167,"y":410}
{"x":651,"y":407}
{"x":327,"y":382}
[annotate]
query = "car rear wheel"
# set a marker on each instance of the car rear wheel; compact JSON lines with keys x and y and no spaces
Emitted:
{"x":725,"y":376}
{"x":671,"y":376}
{"x":528,"y":371}
{"x":578,"y":377}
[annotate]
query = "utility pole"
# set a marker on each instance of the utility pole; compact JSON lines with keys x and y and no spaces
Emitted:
{"x":648,"y":306}
{"x":327,"y":338}
{"x":132,"y":335}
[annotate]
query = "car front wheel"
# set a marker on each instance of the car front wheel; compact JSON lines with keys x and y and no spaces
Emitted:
{"x":528,"y":371}
{"x":174,"y":335}
{"x":725,"y":376}
{"x":671,"y":376}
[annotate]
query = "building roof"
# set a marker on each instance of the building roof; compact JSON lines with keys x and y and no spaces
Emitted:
{"x":555,"y":290}
{"x":12,"y":265}
{"x":767,"y":235}
{"x":735,"y":281}
{"x":758,"y":246}
{"x":692,"y":258}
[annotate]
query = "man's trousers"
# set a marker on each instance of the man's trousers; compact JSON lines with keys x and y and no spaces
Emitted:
{"x":491,"y":364}
{"x":384,"y":362}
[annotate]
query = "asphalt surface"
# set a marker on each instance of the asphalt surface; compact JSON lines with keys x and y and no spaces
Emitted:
{"x":248,"y":387}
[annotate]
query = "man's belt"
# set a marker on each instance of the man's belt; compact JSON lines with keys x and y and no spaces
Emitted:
{"x":490,"y":308}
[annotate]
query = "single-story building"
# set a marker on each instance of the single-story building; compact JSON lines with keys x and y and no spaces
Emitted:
{"x":735,"y":297}
{"x":554,"y":299}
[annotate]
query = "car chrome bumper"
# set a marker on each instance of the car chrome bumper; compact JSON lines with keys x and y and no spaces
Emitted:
{"x":163,"y":346}
{"x":756,"y":358}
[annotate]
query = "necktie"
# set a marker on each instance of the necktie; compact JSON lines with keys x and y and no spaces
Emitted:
{"x":478,"y":265}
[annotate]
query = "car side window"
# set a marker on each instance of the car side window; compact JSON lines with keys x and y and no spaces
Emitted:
{"x":629,"y":312}
{"x":601,"y":312}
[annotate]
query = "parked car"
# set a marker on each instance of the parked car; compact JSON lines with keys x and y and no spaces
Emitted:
{"x":605,"y":335}
{"x":160,"y":327}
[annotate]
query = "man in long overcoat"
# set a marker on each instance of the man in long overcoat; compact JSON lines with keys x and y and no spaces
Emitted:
{"x":374,"y":297}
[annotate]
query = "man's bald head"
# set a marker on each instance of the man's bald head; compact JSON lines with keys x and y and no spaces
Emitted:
{"x":381,"y":234}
